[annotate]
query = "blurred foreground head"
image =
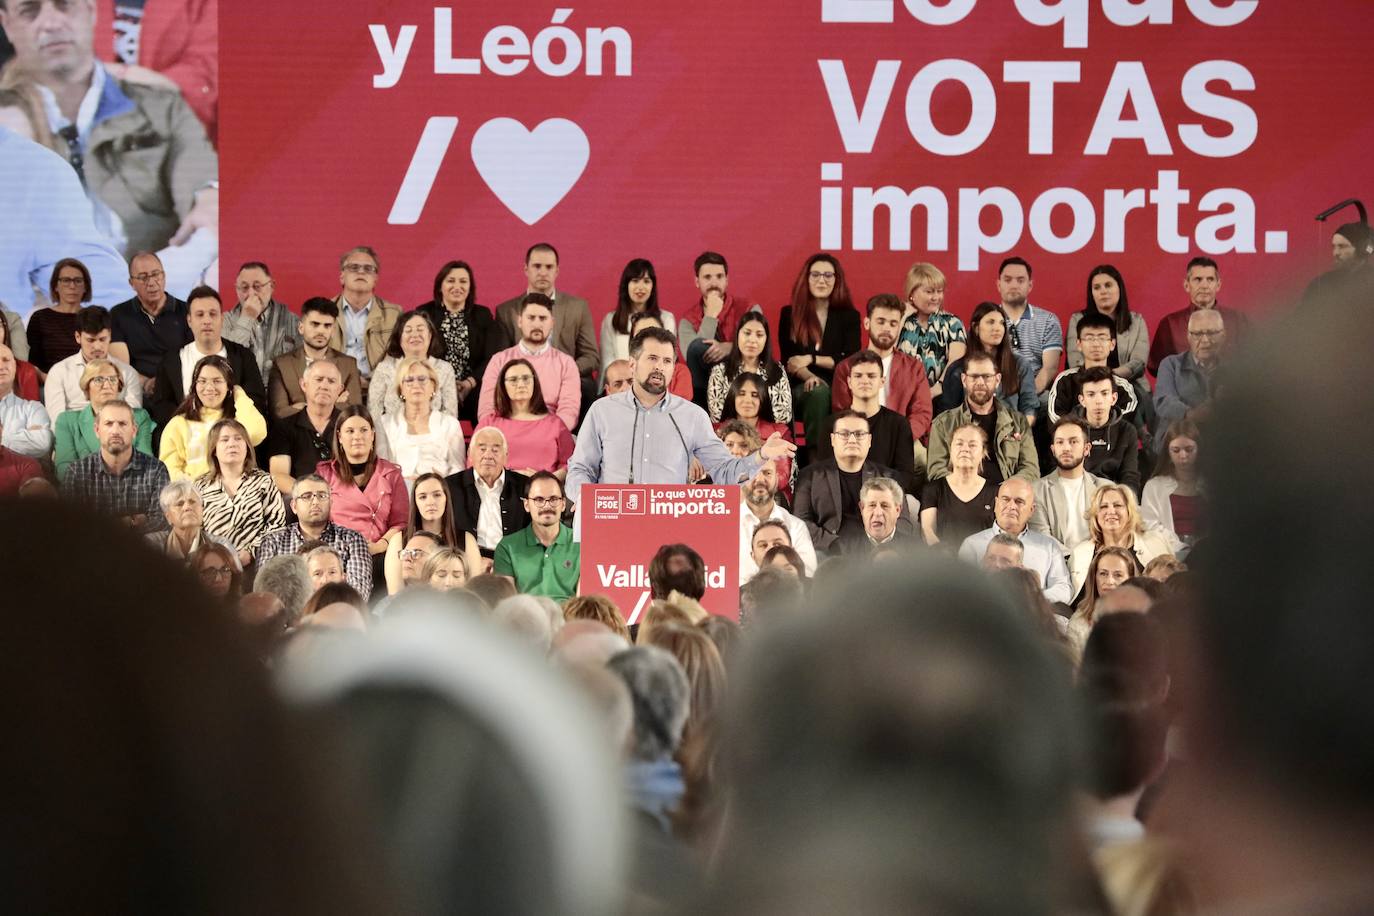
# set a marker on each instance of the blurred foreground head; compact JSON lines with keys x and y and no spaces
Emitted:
{"x":148,"y":766}
{"x":912,"y":752}
{"x":1282,"y":712}
{"x":488,"y":773}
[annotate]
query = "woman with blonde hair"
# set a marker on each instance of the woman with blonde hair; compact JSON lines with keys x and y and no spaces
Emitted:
{"x":446,"y":569}
{"x":597,"y":608}
{"x":1114,"y":520}
{"x":929,"y":333}
{"x":420,"y":438}
{"x":74,"y":431}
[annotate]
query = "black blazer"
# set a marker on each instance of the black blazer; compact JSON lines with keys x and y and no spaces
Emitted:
{"x":817,"y":501}
{"x":839,"y":339}
{"x":467,"y":504}
{"x":168,"y":392}
{"x":482,"y":338}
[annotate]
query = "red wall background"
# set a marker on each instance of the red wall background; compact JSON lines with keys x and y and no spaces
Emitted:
{"x":717,"y":137}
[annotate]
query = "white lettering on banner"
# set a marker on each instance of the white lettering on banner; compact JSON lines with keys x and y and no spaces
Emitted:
{"x":693,"y":501}
{"x":507,"y":50}
{"x":1060,"y":220}
{"x":1004,"y":207}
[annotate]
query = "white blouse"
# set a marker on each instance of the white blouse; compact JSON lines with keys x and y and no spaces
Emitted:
{"x":441,"y":450}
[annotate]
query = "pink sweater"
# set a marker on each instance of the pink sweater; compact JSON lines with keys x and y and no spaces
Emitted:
{"x":384,"y":504}
{"x":558,"y":381}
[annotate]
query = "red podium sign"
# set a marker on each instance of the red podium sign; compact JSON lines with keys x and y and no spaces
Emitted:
{"x":623,"y":525}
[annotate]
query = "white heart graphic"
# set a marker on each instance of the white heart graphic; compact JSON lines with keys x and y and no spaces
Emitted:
{"x":530,"y":171}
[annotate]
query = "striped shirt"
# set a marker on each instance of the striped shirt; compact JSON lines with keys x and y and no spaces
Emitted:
{"x":242,"y":519}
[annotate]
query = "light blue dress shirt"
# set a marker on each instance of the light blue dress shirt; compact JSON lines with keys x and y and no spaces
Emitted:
{"x":1042,"y":555}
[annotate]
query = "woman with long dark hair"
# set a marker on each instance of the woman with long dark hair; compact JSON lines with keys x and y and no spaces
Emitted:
{"x":816,"y":330}
{"x":752,"y":353}
{"x":638,"y":295}
{"x":464,"y":330}
{"x":366,"y":493}
{"x":1106,"y":295}
{"x":987,"y":335}
{"x":213,"y":396}
{"x":747,"y":401}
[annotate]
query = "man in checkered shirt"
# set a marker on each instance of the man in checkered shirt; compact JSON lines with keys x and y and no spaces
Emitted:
{"x":119,"y":480}
{"x":310,"y":502}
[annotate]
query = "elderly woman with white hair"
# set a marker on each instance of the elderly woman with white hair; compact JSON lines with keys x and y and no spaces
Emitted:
{"x":184,"y":510}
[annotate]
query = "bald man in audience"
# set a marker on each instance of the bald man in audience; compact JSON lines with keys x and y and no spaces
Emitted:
{"x":1041,"y":553}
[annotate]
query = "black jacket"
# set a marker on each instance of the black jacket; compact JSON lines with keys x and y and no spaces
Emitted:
{"x":1115,"y":452}
{"x":818,"y":501}
{"x":481,"y":335}
{"x":168,"y":391}
{"x":467,"y":504}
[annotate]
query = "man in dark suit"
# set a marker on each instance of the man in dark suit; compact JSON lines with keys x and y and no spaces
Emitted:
{"x":827,"y":493}
{"x":573,"y":331}
{"x":487,"y":498}
{"x":284,"y":392}
{"x":205,"y":316}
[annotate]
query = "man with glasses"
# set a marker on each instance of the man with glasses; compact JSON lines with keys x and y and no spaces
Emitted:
{"x":1041,"y":554}
{"x":301,"y":440}
{"x":1011,"y":453}
{"x":1187,"y":381}
{"x":152,"y":324}
{"x":827,"y":494}
{"x":63,"y":391}
{"x":310,"y":503}
{"x":542,"y":559}
{"x":1202,"y":282}
{"x":366,"y":319}
{"x":258,"y":321}
{"x":890,"y":443}
{"x":1096,"y":341}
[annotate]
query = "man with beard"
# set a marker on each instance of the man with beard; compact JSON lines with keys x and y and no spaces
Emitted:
{"x":759,"y":506}
{"x":707,"y":332}
{"x":646,"y":435}
{"x":1036,"y":334}
{"x":286,"y":379}
{"x":556,"y":370}
{"x":1062,"y":497}
{"x":542,"y":559}
{"x":119,"y":480}
{"x":890,"y":441}
{"x":905,"y":389}
{"x":1011,"y":453}
{"x":310,"y":501}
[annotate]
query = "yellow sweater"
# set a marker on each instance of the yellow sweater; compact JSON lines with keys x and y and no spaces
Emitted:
{"x":184,"y":441}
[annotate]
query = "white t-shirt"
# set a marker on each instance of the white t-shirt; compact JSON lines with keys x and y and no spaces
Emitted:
{"x":1075,"y":525}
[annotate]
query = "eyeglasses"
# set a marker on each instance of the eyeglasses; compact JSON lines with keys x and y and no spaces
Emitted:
{"x":416,"y":379}
{"x":71,"y":281}
{"x":205,"y":382}
{"x":213,"y":573}
{"x":1205,"y":335}
{"x":822,"y":275}
{"x":980,"y":376}
{"x":412,"y":553}
{"x":152,"y":276}
{"x":852,"y":435}
{"x":104,"y":380}
{"x":544,"y":502}
{"x":360,"y":268}
{"x":253,"y":287}
{"x":311,"y":497}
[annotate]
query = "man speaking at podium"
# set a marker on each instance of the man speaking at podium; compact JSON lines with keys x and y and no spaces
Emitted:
{"x":646,"y":435}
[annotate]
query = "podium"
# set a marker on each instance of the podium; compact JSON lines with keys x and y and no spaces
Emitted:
{"x":623,"y":525}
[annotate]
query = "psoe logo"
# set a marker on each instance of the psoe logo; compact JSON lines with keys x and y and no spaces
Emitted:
{"x":607,"y":505}
{"x":632,"y":503}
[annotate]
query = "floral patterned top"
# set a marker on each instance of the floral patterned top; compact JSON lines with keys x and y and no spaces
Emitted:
{"x":931,"y":345}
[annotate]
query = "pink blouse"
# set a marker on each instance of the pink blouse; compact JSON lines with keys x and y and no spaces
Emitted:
{"x":544,"y":444}
{"x":373,"y":511}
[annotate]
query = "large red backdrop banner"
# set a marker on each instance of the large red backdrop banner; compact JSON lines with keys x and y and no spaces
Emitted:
{"x":888,"y":131}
